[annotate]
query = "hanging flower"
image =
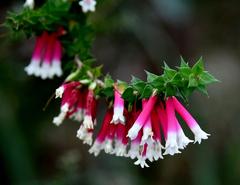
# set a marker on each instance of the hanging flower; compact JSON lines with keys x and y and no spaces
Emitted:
{"x":118,"y":116}
{"x":88,"y":5}
{"x":46,"y":58}
{"x":142,"y":118}
{"x":81,"y":108}
{"x":171,"y":146}
{"x":142,"y":158}
{"x":99,"y":143}
{"x":90,"y":113}
{"x":191,"y":122}
{"x":70,"y":95}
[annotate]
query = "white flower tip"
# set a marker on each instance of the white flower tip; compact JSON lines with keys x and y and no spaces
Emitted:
{"x":142,"y":162}
{"x":171,"y":146}
{"x":33,"y":68}
{"x":95,"y":149}
{"x":88,"y":139}
{"x":133,"y":132}
{"x":108,"y":148}
{"x":57,"y":121}
{"x":118,"y":116}
{"x":81,"y":133}
{"x":87,"y":122}
{"x":59,"y":92}
{"x":147,"y":134}
{"x":55,"y":69}
{"x":120,"y":150}
{"x":29,"y":4}
{"x":199,"y":134}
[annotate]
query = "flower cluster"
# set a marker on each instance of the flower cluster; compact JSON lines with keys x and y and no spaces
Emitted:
{"x":148,"y":131}
{"x":47,"y":54}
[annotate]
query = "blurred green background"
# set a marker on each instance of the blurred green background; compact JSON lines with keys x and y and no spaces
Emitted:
{"x":131,"y":36}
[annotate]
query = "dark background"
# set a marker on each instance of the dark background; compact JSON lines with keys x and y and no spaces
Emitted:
{"x":132,"y":36}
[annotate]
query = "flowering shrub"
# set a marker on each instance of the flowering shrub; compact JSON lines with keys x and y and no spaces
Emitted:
{"x":140,"y":120}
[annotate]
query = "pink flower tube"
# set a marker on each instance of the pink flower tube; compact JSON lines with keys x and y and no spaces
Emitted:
{"x":68,"y":104}
{"x":171,"y":146}
{"x":118,"y":116}
{"x":147,"y":127}
{"x":34,"y":67}
{"x":81,"y":107}
{"x":142,"y":118}
{"x":45,"y":71}
{"x":88,"y":121}
{"x":56,"y":60}
{"x":120,"y":146}
{"x":191,"y":122}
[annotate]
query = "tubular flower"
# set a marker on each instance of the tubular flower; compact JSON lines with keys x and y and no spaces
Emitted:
{"x":99,"y":143}
{"x":88,"y":5}
{"x":81,"y":108}
{"x":142,"y":118}
{"x":85,"y":131}
{"x":147,"y":127}
{"x":70,"y":95}
{"x":90,"y":113}
{"x":46,"y":58}
{"x":118,"y":116}
{"x":171,"y":146}
{"x":191,"y":122}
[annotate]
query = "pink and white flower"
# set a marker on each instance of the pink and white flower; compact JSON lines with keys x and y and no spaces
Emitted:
{"x":46,"y":58}
{"x":118,"y":109}
{"x":120,"y":141}
{"x":99,"y":143}
{"x":171,"y":146}
{"x":147,"y":127}
{"x":191,"y":122}
{"x":70,"y":95}
{"x":142,"y":118}
{"x":90,"y":113}
{"x":34,"y":67}
{"x":88,"y":5}
{"x":142,"y":158}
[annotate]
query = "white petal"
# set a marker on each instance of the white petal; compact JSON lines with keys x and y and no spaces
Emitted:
{"x":33,"y":68}
{"x":120,"y":149}
{"x":182,"y":139}
{"x":87,"y":122}
{"x":108,"y":148}
{"x":96,"y":148}
{"x":45,"y":70}
{"x":133,"y":131}
{"x":171,"y":146}
{"x":55,"y":69}
{"x":142,"y":162}
{"x":82,"y":132}
{"x":199,"y":134}
{"x":88,"y":138}
{"x":59,"y":92}
{"x":133,"y":151}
